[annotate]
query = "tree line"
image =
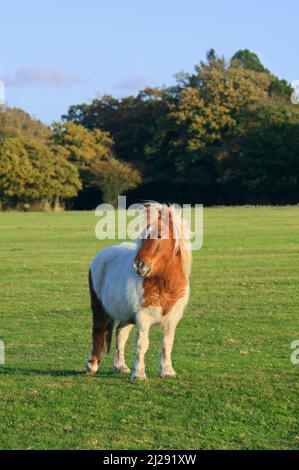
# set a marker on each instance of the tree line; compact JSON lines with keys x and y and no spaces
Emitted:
{"x":225,"y":134}
{"x":46,"y":167}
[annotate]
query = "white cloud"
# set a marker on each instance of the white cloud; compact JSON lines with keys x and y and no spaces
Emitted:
{"x":41,"y":76}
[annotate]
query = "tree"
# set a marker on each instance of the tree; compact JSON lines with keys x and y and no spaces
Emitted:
{"x":264,"y":161}
{"x":91,"y":152}
{"x":15,"y":170}
{"x":83,"y":146}
{"x":133,"y":122}
{"x":214,"y":130}
{"x":114,"y":177}
{"x":31,"y":172}
{"x":65,"y":182}
{"x":217,"y":104}
{"x":17,"y":123}
{"x":247,"y":60}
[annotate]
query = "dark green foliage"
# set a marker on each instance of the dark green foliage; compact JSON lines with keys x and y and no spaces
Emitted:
{"x":228,"y":133}
{"x":248,"y":60}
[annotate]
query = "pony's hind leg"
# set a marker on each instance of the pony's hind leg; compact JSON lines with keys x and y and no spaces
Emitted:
{"x":102,"y":326}
{"x":122,"y":334}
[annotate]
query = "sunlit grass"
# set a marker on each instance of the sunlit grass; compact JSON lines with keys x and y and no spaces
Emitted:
{"x":236,"y":387}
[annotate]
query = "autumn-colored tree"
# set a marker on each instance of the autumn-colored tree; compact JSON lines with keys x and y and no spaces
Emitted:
{"x":31,"y":172}
{"x":83,"y":146}
{"x":248,"y":60}
{"x":17,"y":123}
{"x":91,"y":152}
{"x":53,"y":176}
{"x":65,"y":181}
{"x":15,"y":170}
{"x":217,"y":104}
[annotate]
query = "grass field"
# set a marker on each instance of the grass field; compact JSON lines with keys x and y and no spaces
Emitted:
{"x":236,"y":387}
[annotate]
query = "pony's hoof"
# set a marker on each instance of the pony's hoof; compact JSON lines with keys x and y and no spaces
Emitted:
{"x":138,"y":377}
{"x":168,"y":372}
{"x":91,"y":368}
{"x":121,"y":369}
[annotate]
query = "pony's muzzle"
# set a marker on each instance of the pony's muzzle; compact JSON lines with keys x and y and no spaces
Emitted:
{"x":142,"y":268}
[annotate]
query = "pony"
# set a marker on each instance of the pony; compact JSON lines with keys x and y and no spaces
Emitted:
{"x":144,"y":284}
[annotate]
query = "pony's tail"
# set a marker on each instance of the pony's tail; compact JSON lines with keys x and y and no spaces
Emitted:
{"x":106,"y":338}
{"x":102,"y":325}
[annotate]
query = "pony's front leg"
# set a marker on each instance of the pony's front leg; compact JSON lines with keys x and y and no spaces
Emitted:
{"x":169,"y":328}
{"x":122,"y":334}
{"x":143,"y":326}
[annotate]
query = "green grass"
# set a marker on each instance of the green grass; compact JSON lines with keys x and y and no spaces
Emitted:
{"x":236,"y":387}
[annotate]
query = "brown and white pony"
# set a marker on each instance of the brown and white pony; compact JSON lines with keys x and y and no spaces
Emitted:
{"x":143,"y":284}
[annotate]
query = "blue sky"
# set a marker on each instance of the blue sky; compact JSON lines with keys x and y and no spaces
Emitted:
{"x":57,"y":53}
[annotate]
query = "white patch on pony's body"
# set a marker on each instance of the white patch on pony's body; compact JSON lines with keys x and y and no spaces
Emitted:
{"x":115,"y":281}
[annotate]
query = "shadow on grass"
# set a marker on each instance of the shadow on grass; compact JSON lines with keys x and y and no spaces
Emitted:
{"x":53,"y":372}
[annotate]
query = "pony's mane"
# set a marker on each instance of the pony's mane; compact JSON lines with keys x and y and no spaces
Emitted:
{"x":181,"y":231}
